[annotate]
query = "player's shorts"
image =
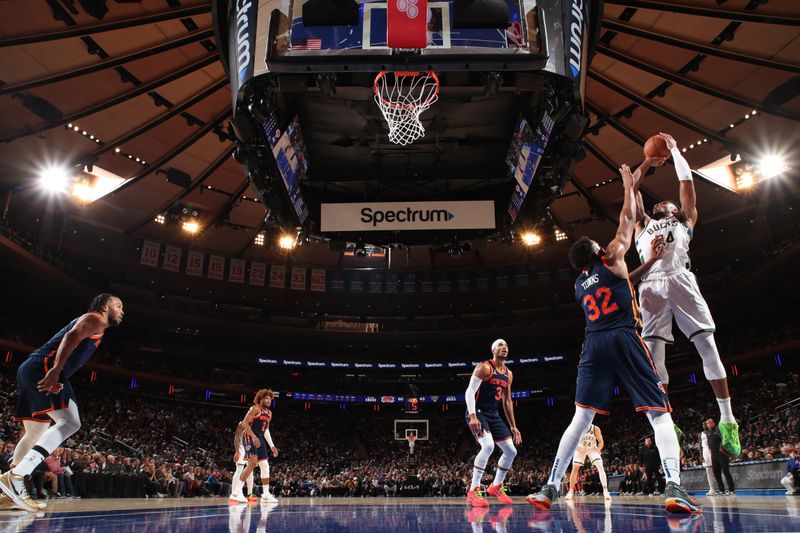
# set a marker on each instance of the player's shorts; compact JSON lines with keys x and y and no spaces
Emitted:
{"x":663,"y":296}
{"x":581,"y":454}
{"x":491,"y":422}
{"x":32,"y":404}
{"x":251,"y":450}
{"x":618,"y":356}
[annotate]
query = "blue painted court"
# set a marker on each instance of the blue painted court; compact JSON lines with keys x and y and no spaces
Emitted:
{"x":754,"y":513}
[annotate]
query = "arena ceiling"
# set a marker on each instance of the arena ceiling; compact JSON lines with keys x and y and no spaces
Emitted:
{"x":138,"y":90}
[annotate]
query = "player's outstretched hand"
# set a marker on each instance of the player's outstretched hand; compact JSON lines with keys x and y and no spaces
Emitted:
{"x":668,"y":139}
{"x":274,"y":451}
{"x":517,"y":436}
{"x":655,"y":161}
{"x":627,"y":177}
{"x":658,"y":247}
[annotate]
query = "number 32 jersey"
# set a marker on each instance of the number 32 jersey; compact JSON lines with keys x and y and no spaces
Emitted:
{"x":606,"y":300}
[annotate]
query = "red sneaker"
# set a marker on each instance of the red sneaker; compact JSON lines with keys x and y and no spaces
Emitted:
{"x":475,"y":498}
{"x":499,"y":492}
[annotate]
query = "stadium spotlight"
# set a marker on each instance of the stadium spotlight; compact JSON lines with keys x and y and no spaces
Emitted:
{"x":287,"y":241}
{"x":191,"y":227}
{"x":54,"y":179}
{"x":745,"y":180}
{"x":259,"y":239}
{"x":161,"y":219}
{"x":771,"y":165}
{"x":530,"y":238}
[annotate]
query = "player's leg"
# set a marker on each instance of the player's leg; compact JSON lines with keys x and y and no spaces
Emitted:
{"x":34,"y":429}
{"x":597,"y":461}
{"x":695,"y":321}
{"x":250,"y":483}
{"x":237,"y":484}
{"x":577,"y":462}
{"x":252,"y":462}
{"x":486,"y":442}
{"x":503,"y":440}
{"x":266,"y":495}
{"x":654,"y":306}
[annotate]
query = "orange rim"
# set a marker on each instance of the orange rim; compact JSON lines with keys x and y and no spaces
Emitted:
{"x":404,"y":74}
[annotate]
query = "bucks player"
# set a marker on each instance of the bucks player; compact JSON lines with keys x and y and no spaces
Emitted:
{"x":669,"y":289}
{"x":240,"y":458}
{"x":490,"y":385}
{"x":590,"y":445}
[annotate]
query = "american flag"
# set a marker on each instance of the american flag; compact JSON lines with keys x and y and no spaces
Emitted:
{"x":307,"y":44}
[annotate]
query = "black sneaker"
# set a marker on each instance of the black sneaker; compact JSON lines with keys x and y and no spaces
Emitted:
{"x":678,"y":500}
{"x":543,"y":499}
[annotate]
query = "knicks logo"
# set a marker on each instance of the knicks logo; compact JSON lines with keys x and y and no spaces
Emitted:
{"x":409,"y":7}
{"x":661,"y":387}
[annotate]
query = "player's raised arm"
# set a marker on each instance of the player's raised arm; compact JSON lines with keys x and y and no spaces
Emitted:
{"x":618,"y":247}
{"x":687,"y":193}
{"x":638,"y":176}
{"x":508,"y":408}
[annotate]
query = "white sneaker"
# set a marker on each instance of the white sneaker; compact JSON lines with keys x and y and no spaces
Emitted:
{"x":711,"y":493}
{"x":239,"y":498}
{"x":606,"y":495}
{"x":268,"y":498}
{"x":570,"y":496}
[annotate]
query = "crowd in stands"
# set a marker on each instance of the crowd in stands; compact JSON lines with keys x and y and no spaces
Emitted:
{"x":182,"y":449}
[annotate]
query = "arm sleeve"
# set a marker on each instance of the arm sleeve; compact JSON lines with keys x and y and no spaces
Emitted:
{"x":269,"y":439}
{"x":469,"y":396}
{"x":681,"y":166}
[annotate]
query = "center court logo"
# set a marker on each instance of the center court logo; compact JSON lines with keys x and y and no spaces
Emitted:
{"x":377,"y":216}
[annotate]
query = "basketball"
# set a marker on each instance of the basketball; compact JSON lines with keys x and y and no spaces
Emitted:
{"x":656,"y":147}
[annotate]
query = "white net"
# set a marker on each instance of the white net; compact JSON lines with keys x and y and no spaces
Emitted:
{"x":403,"y":97}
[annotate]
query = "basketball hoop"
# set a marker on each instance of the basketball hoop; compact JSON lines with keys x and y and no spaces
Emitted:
{"x":403,"y":97}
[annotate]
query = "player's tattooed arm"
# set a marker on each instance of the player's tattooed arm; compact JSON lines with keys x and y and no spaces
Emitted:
{"x":508,"y":408}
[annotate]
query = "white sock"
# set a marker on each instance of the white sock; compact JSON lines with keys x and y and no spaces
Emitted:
{"x":667,"y":444}
{"x":504,"y":464}
{"x":725,"y":410}
{"x":601,"y":471}
{"x":250,"y":484}
{"x":569,"y":443}
{"x":29,"y":463}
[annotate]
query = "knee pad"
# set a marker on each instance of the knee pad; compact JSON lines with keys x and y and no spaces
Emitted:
{"x":707,"y":348}
{"x":508,"y":448}
{"x":263,"y":464}
{"x":487,"y":447}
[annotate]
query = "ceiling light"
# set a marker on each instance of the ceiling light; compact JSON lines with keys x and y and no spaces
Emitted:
{"x":260,"y":239}
{"x":54,"y":179}
{"x":116,"y":150}
{"x":745,"y":181}
{"x":83,"y":192}
{"x":771,"y":165}
{"x":287,"y":241}
{"x":191,"y":227}
{"x":161,"y":219}
{"x":530,"y":239}
{"x":560,"y":235}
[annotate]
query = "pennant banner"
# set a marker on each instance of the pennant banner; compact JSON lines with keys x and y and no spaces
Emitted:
{"x":258,"y":273}
{"x":236,"y":271}
{"x":150,"y":251}
{"x":298,"y":279}
{"x":277,"y":277}
{"x":172,"y":259}
{"x":317,"y":280}
{"x":216,"y":267}
{"x":194,"y":264}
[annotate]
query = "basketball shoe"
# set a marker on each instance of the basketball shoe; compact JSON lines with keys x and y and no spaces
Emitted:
{"x":679,"y":501}
{"x":13,"y":487}
{"x":730,"y":438}
{"x":499,"y":492}
{"x":237,"y":498}
{"x":267,"y":497}
{"x":543,"y":499}
{"x":475,"y":498}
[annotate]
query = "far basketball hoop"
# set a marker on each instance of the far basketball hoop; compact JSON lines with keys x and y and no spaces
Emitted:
{"x":402,"y":98}
{"x":411,"y":437}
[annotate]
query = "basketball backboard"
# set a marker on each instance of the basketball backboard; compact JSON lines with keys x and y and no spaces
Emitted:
{"x":402,"y":428}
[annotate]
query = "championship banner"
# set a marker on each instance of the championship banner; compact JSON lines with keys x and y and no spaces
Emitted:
{"x":172,"y":259}
{"x":482,"y":279}
{"x":318,"y":280}
{"x":258,"y":273}
{"x":194,"y":264}
{"x":216,"y":267}
{"x":426,"y":282}
{"x":443,"y":284}
{"x":298,"y":282}
{"x":409,"y":282}
{"x":501,"y":278}
{"x":521,"y":277}
{"x":236,"y":271}
{"x":150,"y":251}
{"x":277,"y":277}
{"x":356,"y":282}
{"x":337,"y":281}
{"x":464,"y":281}
{"x":381,"y":216}
{"x":392,"y":283}
{"x":376,"y":283}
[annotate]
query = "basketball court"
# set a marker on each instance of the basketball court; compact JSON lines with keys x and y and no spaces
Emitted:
{"x":442,"y":515}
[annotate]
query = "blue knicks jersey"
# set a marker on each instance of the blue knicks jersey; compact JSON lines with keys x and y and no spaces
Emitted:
{"x":491,"y":390}
{"x":606,"y":299}
{"x":82,"y":353}
{"x":260,"y":424}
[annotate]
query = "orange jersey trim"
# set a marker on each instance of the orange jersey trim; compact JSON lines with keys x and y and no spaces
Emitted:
{"x":595,"y":409}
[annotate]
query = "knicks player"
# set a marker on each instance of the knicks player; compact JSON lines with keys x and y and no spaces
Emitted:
{"x":614,"y":352}
{"x":590,"y":445}
{"x":669,"y":289}
{"x":239,"y":457}
{"x":46,"y":396}
{"x":256,"y":440}
{"x":489,"y":385}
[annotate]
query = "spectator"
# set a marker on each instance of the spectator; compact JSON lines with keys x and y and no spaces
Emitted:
{"x":652,"y":463}
{"x":792,"y":477}
{"x":112,"y":466}
{"x":713,"y":488}
{"x":719,"y":461}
